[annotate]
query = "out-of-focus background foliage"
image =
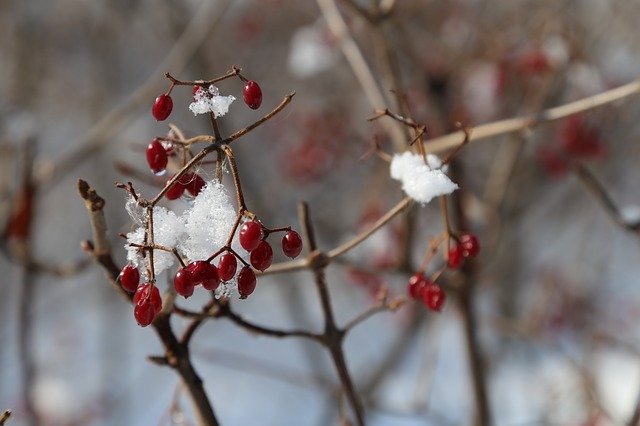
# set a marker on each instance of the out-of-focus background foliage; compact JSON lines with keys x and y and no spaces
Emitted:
{"x":557,"y":298}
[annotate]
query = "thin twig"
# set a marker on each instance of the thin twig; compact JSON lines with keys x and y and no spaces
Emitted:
{"x":348,"y":245}
{"x":359,"y":65}
{"x":597,"y":189}
{"x":272,"y":332}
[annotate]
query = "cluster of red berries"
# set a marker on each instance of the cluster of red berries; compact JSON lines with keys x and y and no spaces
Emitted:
{"x":158,"y":158}
{"x":163,"y":105}
{"x":254,"y":240}
{"x":422,"y":288}
{"x":467,"y":246}
{"x":146,"y":299}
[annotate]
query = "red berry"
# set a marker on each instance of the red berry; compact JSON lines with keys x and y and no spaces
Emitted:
{"x":417,"y":284}
{"x":261,"y":256}
{"x":291,"y":244}
{"x":183,"y":282}
{"x":148,"y":304}
{"x":157,"y":157}
{"x":144,"y":314}
{"x":250,"y":235}
{"x":144,"y":294}
{"x":162,"y":107}
{"x":470,"y":245}
{"x":175,"y":192}
{"x":246,"y":282}
{"x":433,"y":296}
{"x":227,"y":266}
{"x":252,"y":94}
{"x":193,"y":183}
{"x":204,"y":273}
{"x":456,"y":257}
{"x":129,"y":278}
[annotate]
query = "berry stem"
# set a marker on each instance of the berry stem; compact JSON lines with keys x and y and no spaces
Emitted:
{"x":203,"y":83}
{"x":268,"y":231}
{"x":444,"y":211}
{"x":168,"y":92}
{"x":236,"y":178}
{"x":214,"y":125}
{"x":151,"y":242}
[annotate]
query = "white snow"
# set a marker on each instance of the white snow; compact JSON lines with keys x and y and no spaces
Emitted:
{"x":208,"y":222}
{"x":421,"y":181}
{"x":206,"y":101}
{"x":197,"y":233}
{"x":168,"y":230}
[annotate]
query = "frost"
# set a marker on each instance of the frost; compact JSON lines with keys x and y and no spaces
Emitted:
{"x":136,"y":213}
{"x":168,"y":231}
{"x":210,"y":100}
{"x":208,"y":223}
{"x":421,"y":181}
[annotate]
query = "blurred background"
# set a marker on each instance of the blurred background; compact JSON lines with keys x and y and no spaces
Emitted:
{"x":556,"y":295}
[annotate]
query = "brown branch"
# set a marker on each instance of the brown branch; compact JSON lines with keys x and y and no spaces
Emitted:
{"x":203,"y":83}
{"x":331,"y":255}
{"x":517,"y":124}
{"x":470,"y":321}
{"x":382,"y":305}
{"x":177,"y":354}
{"x":333,"y":336}
{"x":348,"y":245}
{"x":268,"y":116}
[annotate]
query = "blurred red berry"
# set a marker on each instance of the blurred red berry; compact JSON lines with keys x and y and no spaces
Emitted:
{"x":433,"y":297}
{"x":470,"y":245}
{"x":455,"y":257}
{"x":417,"y":284}
{"x":157,"y":157}
{"x":175,"y":191}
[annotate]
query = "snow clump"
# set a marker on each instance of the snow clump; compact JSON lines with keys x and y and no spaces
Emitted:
{"x":421,"y":181}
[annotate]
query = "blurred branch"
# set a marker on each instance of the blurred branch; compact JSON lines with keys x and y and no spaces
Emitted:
{"x":597,"y":189}
{"x":511,"y":125}
{"x":4,"y":417}
{"x":360,"y":68}
{"x":343,"y":248}
{"x":196,"y":32}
